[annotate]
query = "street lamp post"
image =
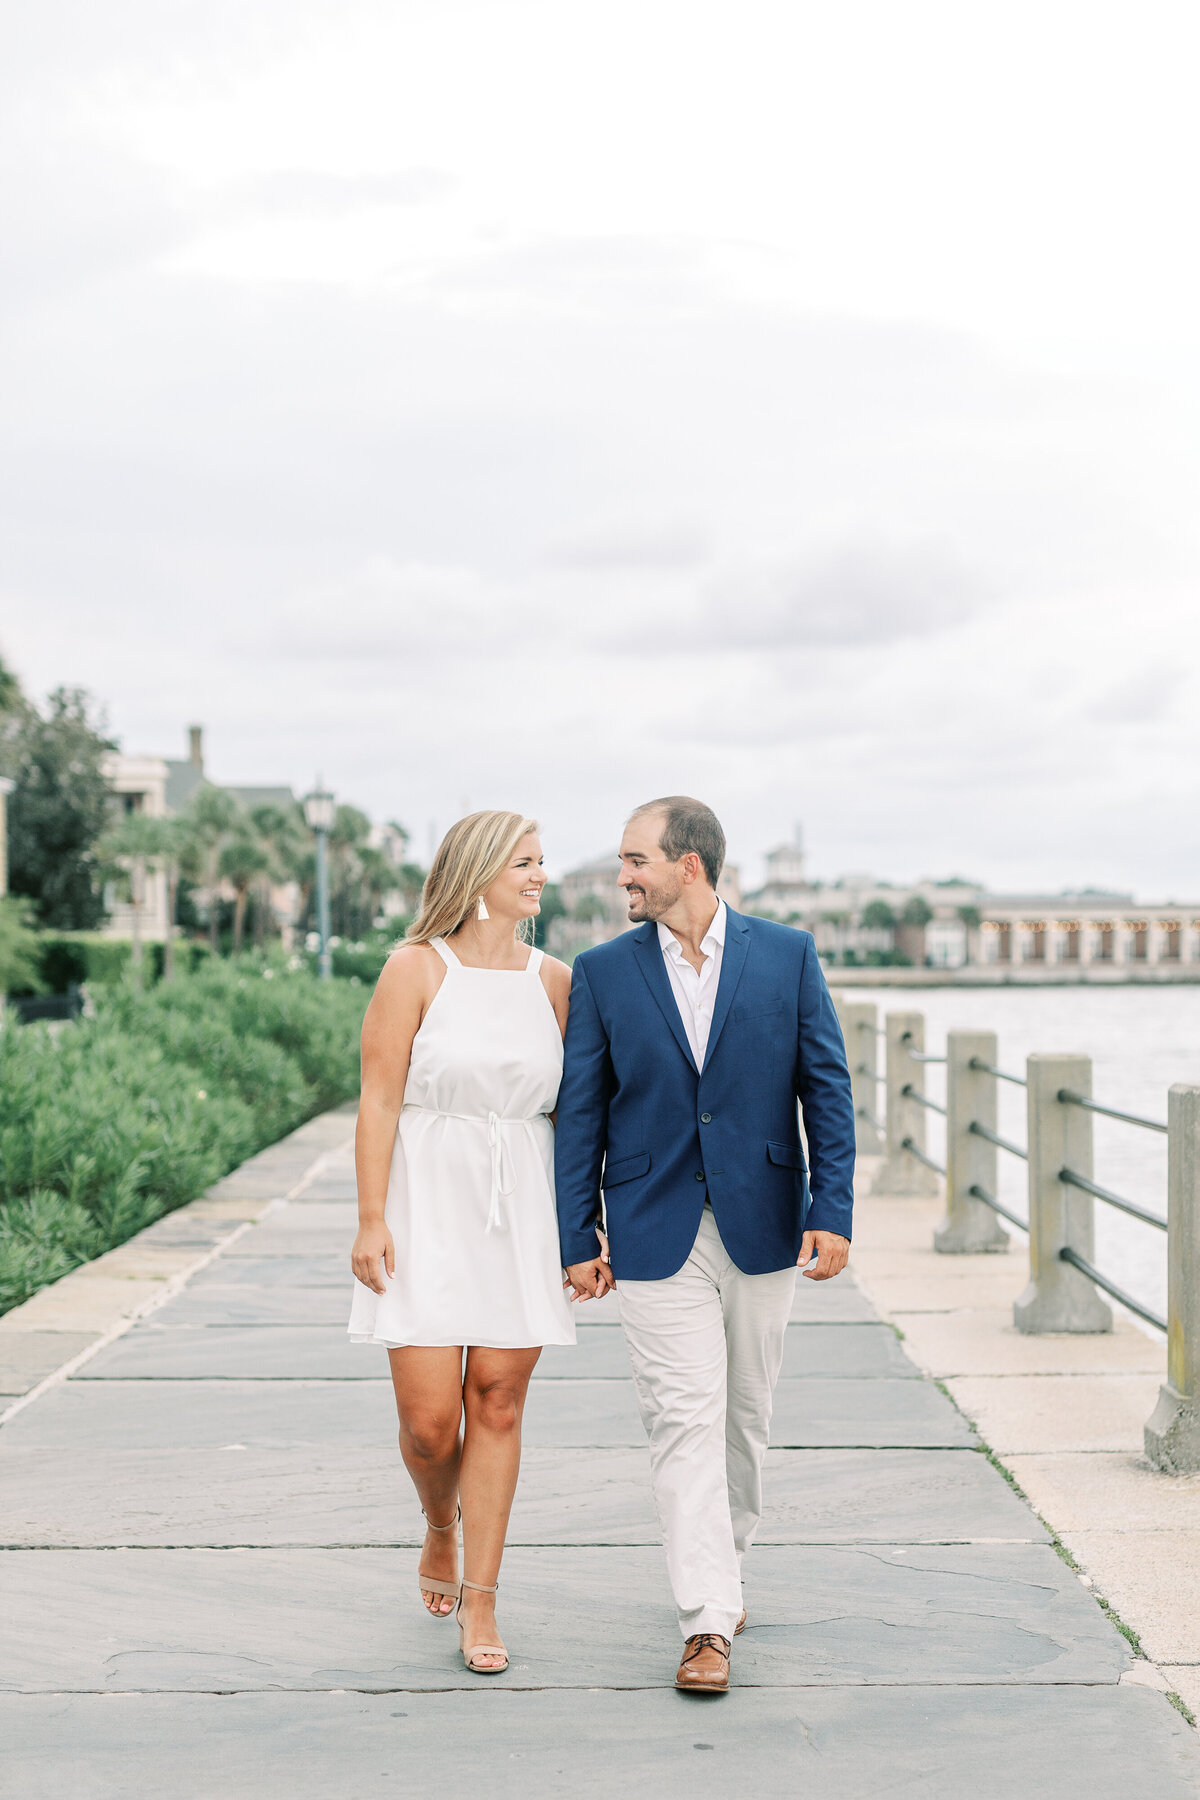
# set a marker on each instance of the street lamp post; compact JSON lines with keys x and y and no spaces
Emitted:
{"x":319,"y":808}
{"x":6,"y":788}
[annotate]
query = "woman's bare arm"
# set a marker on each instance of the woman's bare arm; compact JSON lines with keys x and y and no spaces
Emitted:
{"x":411,"y":977}
{"x":556,"y":979}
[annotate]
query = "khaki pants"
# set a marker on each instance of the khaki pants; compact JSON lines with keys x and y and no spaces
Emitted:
{"x":706,"y":1345}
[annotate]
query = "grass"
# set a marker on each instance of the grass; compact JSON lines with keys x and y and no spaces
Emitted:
{"x":109,"y":1123}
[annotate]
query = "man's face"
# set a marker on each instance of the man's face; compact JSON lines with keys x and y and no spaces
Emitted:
{"x":652,"y":884}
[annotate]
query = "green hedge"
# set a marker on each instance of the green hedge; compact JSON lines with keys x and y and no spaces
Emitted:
{"x":110,"y":1122}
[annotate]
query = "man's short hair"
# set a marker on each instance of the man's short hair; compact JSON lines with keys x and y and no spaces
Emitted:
{"x":688,"y":826}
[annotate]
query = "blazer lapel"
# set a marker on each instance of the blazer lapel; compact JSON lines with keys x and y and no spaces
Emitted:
{"x":650,"y":961}
{"x":733,"y":959}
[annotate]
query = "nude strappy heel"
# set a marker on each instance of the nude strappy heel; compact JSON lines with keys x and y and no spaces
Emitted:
{"x":434,"y":1584}
{"x":469,"y":1654}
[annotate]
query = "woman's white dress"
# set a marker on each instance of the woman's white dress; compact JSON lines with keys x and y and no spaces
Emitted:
{"x":470,"y":1202}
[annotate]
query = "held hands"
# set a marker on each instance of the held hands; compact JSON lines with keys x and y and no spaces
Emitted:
{"x":830,"y":1250}
{"x":593,"y":1279}
{"x":372,"y":1246}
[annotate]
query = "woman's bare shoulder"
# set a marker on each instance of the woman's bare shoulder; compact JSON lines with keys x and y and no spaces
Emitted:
{"x":411,"y":971}
{"x":556,"y":975}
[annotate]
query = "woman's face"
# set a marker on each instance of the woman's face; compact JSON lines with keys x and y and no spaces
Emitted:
{"x":516,"y":892}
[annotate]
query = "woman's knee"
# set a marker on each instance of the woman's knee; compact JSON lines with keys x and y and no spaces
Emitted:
{"x":496,"y":1405}
{"x":429,"y":1433}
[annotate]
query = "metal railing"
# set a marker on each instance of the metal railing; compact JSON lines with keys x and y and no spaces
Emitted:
{"x":1066,"y":1288}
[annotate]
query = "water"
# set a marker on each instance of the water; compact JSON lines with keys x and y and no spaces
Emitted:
{"x":1141,"y":1040}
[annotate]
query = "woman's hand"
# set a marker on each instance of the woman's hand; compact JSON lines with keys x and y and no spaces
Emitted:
{"x":372,"y":1246}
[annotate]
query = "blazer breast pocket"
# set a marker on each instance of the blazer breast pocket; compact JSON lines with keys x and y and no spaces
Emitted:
{"x":788,"y":1156}
{"x":757,"y":1009}
{"x":624,"y":1169}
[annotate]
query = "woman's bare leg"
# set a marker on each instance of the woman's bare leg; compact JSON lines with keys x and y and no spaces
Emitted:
{"x":429,"y":1399}
{"x":493,"y":1402}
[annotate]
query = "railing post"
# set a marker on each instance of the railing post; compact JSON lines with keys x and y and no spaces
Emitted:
{"x":969,"y":1226}
{"x":1172,"y":1435}
{"x":1059,"y":1297}
{"x":859,"y":1028}
{"x":903,"y":1175}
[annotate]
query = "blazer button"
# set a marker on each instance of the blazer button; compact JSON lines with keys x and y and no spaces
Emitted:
{"x":706,"y":1118}
{"x":699,"y":1174}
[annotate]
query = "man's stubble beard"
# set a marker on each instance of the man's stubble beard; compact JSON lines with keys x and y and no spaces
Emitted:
{"x":654,"y":905}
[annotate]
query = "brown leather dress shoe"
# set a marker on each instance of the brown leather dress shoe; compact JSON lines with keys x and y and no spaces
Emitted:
{"x":705,"y":1665}
{"x":741,"y":1624}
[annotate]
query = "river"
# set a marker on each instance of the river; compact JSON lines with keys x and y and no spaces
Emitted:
{"x":1140,"y":1039}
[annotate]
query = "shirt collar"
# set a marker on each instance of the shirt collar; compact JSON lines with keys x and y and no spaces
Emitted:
{"x":713,"y":939}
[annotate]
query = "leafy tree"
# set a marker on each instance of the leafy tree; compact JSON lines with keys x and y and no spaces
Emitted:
{"x":281,"y":833}
{"x":878,"y":916}
{"x":131,"y":847}
{"x":970,"y":916}
{"x":917,"y":911}
{"x":552,"y":908}
{"x":587,"y":908}
{"x":58,"y":809}
{"x":19,"y":948}
{"x":10,"y":689}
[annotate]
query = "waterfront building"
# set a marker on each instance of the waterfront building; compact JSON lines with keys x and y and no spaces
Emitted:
{"x":596,"y":908}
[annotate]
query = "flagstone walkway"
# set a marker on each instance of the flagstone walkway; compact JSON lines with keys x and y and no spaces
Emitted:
{"x":208,"y":1580}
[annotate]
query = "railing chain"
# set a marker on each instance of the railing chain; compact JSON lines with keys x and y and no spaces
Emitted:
{"x":993,"y":1137}
{"x":910,"y":1093}
{"x":937,"y":1167}
{"x":981,"y":1193}
{"x":1068,"y":1255}
{"x":1069,"y":1097}
{"x":1131,"y":1207}
{"x":988,"y":1068}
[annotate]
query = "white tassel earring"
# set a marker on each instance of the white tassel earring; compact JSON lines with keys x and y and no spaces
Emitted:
{"x":483,"y":911}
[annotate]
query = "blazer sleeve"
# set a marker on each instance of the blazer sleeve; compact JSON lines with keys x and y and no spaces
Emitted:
{"x":581,"y":1127}
{"x":823,"y":1089}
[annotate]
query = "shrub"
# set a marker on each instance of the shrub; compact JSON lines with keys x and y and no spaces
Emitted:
{"x":108,"y":1123}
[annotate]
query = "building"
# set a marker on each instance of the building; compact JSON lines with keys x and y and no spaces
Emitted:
{"x":160,"y":787}
{"x":1101,"y":932}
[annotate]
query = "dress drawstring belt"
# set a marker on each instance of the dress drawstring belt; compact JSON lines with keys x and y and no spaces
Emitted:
{"x":503,"y":1174}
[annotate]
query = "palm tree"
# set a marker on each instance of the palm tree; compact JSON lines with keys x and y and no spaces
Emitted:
{"x":281,"y":833}
{"x":243,"y":860}
{"x":206,"y":825}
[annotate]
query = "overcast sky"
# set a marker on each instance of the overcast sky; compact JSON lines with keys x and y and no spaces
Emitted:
{"x":553,"y":405}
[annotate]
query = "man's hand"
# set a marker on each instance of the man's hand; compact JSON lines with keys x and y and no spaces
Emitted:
{"x":830,"y":1250}
{"x":590,"y":1280}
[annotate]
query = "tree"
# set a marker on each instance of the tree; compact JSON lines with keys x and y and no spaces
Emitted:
{"x":878,"y":916}
{"x":243,"y":859}
{"x":19,"y":960}
{"x":133,"y":845}
{"x":10,"y":689}
{"x":970,"y":916}
{"x":206,"y":824}
{"x":917,"y":912}
{"x":58,"y":809}
{"x":281,"y":833}
{"x":552,"y":908}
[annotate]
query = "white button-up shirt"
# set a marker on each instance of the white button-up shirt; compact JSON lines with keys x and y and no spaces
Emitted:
{"x":695,"y":990}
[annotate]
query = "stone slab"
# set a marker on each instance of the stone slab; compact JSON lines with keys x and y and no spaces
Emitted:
{"x":316,"y":1215}
{"x":250,"y":1272}
{"x":1033,"y":1413}
{"x":195,"y":1620}
{"x":1097,"y":1743}
{"x":977,"y":1284}
{"x":211,"y":1208}
{"x":148,"y":1414}
{"x":876,"y":1412}
{"x":165,"y":1351}
{"x":271,"y":1239}
{"x":187,"y":1230}
{"x":220,"y":1303}
{"x":837,"y":1302}
{"x":985,"y":1342}
{"x":811,"y":1351}
{"x":333,"y":1492}
{"x":1152,"y":1581}
{"x":27,"y":1357}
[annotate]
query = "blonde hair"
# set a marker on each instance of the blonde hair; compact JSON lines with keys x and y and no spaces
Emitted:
{"x":469,"y":858}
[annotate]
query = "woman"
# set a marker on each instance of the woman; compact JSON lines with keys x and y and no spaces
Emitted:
{"x":457,"y":1246}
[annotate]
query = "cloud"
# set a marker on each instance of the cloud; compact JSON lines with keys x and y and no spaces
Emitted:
{"x":632,"y":546}
{"x":315,"y":193}
{"x":863,"y":592}
{"x":1142,"y":697}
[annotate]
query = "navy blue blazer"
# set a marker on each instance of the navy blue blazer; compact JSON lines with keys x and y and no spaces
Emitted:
{"x":637,"y":1119}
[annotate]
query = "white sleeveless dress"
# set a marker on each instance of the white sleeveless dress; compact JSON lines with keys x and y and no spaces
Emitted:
{"x":470,"y":1202}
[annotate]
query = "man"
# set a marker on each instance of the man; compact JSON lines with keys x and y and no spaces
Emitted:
{"x":688,"y":1045}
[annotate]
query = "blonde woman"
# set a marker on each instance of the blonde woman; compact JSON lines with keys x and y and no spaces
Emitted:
{"x":457,"y":1246}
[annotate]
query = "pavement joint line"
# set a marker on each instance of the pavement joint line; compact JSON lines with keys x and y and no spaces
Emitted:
{"x":174,"y":1285}
{"x":516,"y":1687}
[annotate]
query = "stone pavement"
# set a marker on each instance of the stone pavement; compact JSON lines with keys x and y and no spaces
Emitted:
{"x":209,"y":1569}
